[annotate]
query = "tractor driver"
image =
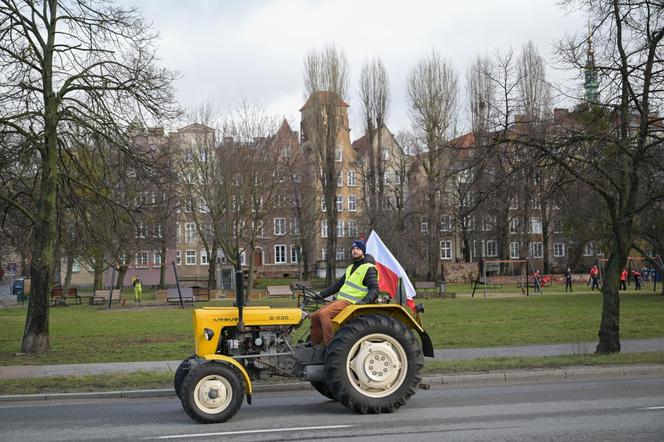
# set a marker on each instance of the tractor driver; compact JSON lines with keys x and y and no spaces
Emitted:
{"x":359,"y":285}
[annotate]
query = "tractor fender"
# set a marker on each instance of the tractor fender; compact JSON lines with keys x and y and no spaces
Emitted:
{"x":228,"y":360}
{"x":392,"y":310}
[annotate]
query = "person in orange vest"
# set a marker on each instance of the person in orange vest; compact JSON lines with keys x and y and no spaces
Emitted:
{"x":594,"y":276}
{"x":623,"y":280}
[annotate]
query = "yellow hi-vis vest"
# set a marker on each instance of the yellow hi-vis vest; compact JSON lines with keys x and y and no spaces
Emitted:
{"x":353,"y":290}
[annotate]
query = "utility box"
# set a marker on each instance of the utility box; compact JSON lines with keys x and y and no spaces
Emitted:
{"x":18,"y":290}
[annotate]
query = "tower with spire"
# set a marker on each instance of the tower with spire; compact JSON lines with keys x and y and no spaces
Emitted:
{"x":591,"y":85}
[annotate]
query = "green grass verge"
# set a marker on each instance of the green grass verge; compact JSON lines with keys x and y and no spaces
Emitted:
{"x":92,"y":334}
{"x":146,"y":380}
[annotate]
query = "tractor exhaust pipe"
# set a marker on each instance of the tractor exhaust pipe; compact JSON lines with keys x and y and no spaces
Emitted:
{"x":239,"y":293}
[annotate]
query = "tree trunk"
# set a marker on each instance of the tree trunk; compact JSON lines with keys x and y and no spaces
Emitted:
{"x":68,"y":274}
{"x":212,"y":272}
{"x":122,"y":272}
{"x":609,"y":329}
{"x":162,"y":268}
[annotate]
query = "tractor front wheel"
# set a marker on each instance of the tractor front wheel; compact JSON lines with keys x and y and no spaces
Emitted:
{"x":323,"y":389}
{"x":212,"y":393}
{"x":373,"y":364}
{"x":181,"y":373}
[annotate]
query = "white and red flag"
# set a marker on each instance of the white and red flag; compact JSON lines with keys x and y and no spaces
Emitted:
{"x":389,"y":270}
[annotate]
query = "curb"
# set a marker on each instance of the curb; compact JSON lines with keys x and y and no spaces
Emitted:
{"x":437,"y":381}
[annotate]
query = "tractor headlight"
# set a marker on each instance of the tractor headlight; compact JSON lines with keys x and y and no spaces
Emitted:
{"x":209,"y":333}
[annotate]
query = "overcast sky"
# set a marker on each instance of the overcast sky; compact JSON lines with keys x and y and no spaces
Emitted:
{"x":228,"y":52}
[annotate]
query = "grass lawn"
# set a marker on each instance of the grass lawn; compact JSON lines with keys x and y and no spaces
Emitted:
{"x":93,"y":334}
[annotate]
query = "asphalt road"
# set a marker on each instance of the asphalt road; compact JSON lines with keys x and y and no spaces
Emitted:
{"x":625,"y":409}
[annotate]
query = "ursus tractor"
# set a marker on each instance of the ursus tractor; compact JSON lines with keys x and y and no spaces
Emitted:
{"x":372,"y":365}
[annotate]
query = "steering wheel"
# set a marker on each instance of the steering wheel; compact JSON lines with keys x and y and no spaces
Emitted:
{"x":309,"y":297}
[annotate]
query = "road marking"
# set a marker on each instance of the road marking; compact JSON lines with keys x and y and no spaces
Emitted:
{"x":661,"y":407}
{"x":267,"y":430}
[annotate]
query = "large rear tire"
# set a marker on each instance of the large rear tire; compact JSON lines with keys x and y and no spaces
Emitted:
{"x":181,"y":373}
{"x":212,"y":393}
{"x":323,"y":389}
{"x":373,"y":364}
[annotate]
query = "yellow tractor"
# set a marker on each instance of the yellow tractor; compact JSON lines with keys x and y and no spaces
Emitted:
{"x":372,"y":365}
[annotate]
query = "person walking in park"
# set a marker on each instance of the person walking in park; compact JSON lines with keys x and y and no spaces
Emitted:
{"x":594,"y":277}
{"x":138,"y":289}
{"x":537,"y":276}
{"x":623,"y":280}
{"x":637,"y":279}
{"x":568,"y":280}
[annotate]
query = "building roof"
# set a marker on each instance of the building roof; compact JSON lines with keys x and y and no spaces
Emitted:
{"x":324,"y":97}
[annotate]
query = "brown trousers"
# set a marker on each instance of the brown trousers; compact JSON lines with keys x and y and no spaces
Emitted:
{"x":321,"y":321}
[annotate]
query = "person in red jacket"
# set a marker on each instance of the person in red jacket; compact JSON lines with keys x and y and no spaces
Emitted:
{"x":594,"y":277}
{"x":637,"y":279}
{"x":623,"y":280}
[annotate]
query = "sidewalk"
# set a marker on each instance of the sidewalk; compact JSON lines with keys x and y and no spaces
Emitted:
{"x":35,"y":371}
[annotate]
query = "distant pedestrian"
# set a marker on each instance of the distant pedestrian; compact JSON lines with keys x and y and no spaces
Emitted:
{"x":594,"y":277}
{"x":637,"y":279}
{"x":623,"y":280}
{"x":138,"y":289}
{"x":537,"y":276}
{"x":568,"y":280}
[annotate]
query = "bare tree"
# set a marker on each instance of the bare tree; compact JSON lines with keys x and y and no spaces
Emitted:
{"x":326,"y":88}
{"x":613,"y":145}
{"x":432,"y":90}
{"x":375,"y":97}
{"x":68,"y":65}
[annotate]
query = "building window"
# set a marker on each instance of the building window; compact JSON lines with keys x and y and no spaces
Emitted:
{"x":492,"y":248}
{"x":177,"y":232}
{"x":470,"y":223}
{"x":323,"y":229}
{"x":294,"y":254}
{"x":280,"y":226}
{"x":351,"y":178}
{"x":446,"y":250}
{"x":557,"y":225}
{"x":76,"y":266}
{"x":352,"y":229}
{"x":489,"y":222}
{"x":243,"y":258}
{"x":142,"y":259}
{"x":340,"y":203}
{"x":339,"y":180}
{"x":280,"y":254}
{"x":323,"y":253}
{"x":141,"y":230}
{"x":424,"y":224}
{"x":559,"y":250}
{"x":340,"y":229}
{"x":514,"y":203}
{"x":190,"y":257}
{"x":445,"y":223}
{"x":514,"y":225}
{"x":323,"y":205}
{"x":204,"y":257}
{"x":294,"y":226}
{"x":189,"y":232}
{"x":338,"y":154}
{"x":536,"y":225}
{"x":157,"y":259}
{"x":536,"y":250}
{"x":352,"y":203}
{"x":178,"y":257}
{"x":514,"y":250}
{"x":158,"y":231}
{"x":341,"y":253}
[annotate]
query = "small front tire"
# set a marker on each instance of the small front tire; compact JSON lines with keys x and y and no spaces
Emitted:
{"x":212,"y":393}
{"x":323,"y":389}
{"x":181,"y":373}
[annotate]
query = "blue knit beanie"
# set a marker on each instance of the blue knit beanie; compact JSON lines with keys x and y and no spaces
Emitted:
{"x":360,"y":245}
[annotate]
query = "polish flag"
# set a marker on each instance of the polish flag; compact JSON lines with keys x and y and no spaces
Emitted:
{"x":389,"y":270}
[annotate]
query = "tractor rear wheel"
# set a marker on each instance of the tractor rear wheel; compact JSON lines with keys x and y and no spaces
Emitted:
{"x":181,"y":373}
{"x":212,"y":393}
{"x":323,"y":389}
{"x":373,"y":364}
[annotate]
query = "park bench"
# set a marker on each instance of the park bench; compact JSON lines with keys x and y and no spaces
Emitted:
{"x":101,"y":296}
{"x":187,"y":293}
{"x":279,"y":291}
{"x":426,"y":288}
{"x":57,"y":297}
{"x":201,"y":293}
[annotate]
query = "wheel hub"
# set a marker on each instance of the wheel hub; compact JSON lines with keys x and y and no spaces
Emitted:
{"x":213,"y":394}
{"x":376,"y":366}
